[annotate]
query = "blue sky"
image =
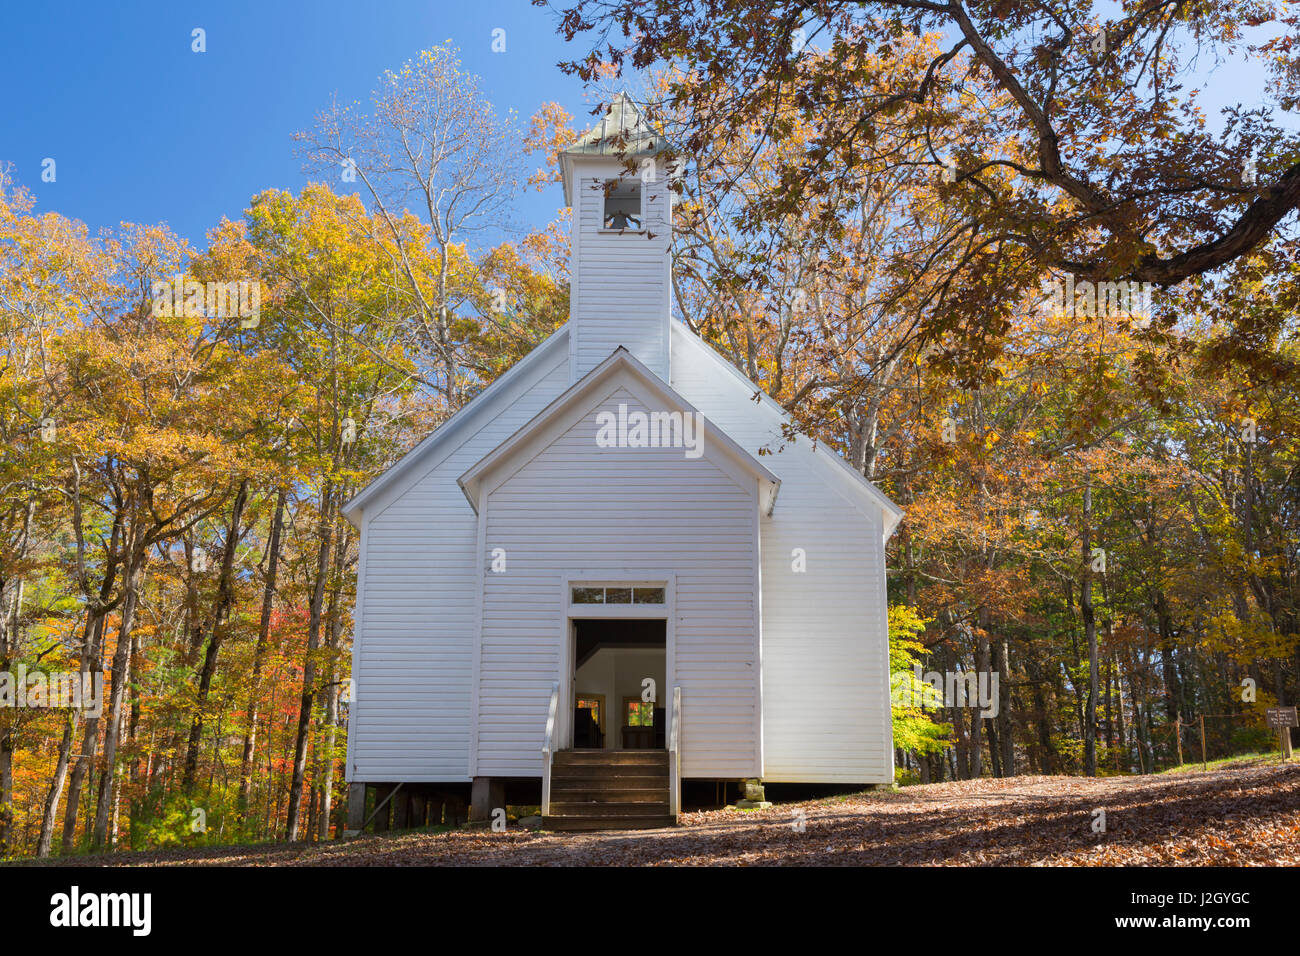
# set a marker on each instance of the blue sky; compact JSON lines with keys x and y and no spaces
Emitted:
{"x":144,"y":130}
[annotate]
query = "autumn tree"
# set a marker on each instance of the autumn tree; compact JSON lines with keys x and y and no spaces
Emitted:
{"x":1066,"y":139}
{"x":432,"y":147}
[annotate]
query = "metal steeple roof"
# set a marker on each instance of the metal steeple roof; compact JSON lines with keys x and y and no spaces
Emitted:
{"x":622,"y":131}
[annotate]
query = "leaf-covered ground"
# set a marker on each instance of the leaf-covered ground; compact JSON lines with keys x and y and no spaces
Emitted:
{"x":1242,"y":815}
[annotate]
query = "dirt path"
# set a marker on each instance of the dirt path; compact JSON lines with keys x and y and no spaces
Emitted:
{"x":1245,"y":815}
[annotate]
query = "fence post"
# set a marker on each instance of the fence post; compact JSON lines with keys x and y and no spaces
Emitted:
{"x":1204,"y":765}
{"x":1178,"y":731}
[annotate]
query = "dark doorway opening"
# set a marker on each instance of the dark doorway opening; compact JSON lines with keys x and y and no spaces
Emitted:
{"x":619,"y":667}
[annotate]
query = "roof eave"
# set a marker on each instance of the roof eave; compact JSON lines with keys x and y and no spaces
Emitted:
{"x":354,"y":507}
{"x":470,"y":480}
{"x":887,"y":506}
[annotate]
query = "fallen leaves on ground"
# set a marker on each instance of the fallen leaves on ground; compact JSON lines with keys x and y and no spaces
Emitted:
{"x":1239,"y":816}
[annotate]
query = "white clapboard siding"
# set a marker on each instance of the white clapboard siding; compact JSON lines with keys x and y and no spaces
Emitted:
{"x":620,"y":280}
{"x":414,"y":648}
{"x":825,"y":651}
{"x":784,"y":675}
{"x":575,"y":506}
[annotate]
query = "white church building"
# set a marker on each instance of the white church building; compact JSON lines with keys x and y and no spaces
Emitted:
{"x":610,"y":572}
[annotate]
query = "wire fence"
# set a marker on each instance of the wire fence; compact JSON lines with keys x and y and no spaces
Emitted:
{"x":1210,"y":737}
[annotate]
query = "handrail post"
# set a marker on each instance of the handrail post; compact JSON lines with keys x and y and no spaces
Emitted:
{"x":547,"y":748}
{"x":674,"y":758}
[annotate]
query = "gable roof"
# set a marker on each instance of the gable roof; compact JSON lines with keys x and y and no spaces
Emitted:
{"x":619,"y":362}
{"x":460,"y":424}
{"x":457,"y":425}
{"x":855,"y":480}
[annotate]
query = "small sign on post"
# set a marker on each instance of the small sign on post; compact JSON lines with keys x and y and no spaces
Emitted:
{"x":1283,"y":718}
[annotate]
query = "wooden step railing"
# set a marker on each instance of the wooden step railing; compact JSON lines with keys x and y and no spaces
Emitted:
{"x":674,"y":757}
{"x":548,"y":748}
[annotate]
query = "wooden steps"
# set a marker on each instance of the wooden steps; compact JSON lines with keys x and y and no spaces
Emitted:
{"x":609,"y":790}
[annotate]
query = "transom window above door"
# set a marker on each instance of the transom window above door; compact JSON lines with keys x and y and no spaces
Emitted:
{"x":617,"y":594}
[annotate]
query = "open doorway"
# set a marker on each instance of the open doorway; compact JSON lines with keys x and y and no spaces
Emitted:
{"x":619,"y":669}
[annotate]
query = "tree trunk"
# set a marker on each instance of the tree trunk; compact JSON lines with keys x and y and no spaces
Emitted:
{"x":977,"y":722}
{"x":1108,"y":719}
{"x":259,"y":656}
{"x":11,"y":605}
{"x":121,"y":677}
{"x":1047,"y":753}
{"x":89,"y":739}
{"x":331,"y":716}
{"x":990,"y":727}
{"x":308,"y":698}
{"x":135,"y":775}
{"x":909,"y":563}
{"x":1173,"y":687}
{"x":8,"y":649}
{"x":1090,"y":632}
{"x":193,"y":619}
{"x":6,"y":789}
{"x":220,"y":612}
{"x":56,"y":788}
{"x":1006,"y":733}
{"x":1121,"y":738}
